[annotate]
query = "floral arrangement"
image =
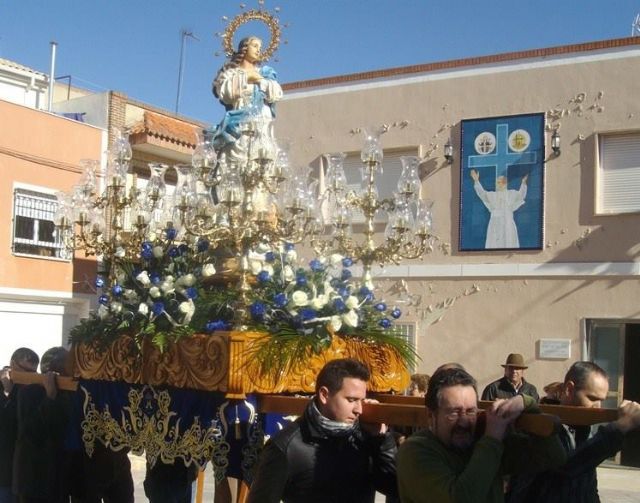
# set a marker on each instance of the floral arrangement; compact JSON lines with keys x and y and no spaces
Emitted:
{"x":168,"y":294}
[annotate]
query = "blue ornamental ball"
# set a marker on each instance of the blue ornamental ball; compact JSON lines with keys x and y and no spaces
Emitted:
{"x":308,"y":314}
{"x":339,"y":304}
{"x":270,"y":256}
{"x":347,"y":262}
{"x":380,"y":306}
{"x":280,"y":299}
{"x":192,"y":292}
{"x":117,"y":290}
{"x":384,"y":323}
{"x":257,"y":310}
{"x":173,"y":251}
{"x":396,"y":313}
{"x":289,"y":246}
{"x":366,"y":294}
{"x":171,"y":233}
{"x":103,"y":299}
{"x":316,"y":265}
{"x":263,"y":276}
{"x":146,"y":253}
{"x":99,"y":281}
{"x":203,"y":245}
{"x":157,"y":308}
{"x":155,"y":277}
{"x":346,"y":274}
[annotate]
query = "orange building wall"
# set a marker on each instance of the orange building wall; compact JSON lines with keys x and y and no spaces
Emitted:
{"x":43,"y":150}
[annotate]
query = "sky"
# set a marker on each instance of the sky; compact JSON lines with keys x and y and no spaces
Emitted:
{"x":133,"y":46}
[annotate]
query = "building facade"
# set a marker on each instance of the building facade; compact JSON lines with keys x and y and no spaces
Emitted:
{"x":573,"y":293}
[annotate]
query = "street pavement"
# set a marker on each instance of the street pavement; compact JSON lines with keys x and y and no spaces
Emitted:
{"x":616,"y":484}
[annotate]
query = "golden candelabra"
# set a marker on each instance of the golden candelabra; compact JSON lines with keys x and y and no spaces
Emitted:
{"x":408,"y":230}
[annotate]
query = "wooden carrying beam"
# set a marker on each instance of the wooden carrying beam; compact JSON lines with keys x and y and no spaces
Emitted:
{"x":575,"y":416}
{"x":64,"y":383}
{"x":409,"y":414}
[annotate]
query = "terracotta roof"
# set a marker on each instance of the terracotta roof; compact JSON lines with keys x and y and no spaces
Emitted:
{"x":459,"y":63}
{"x":167,"y":129}
{"x":18,"y":66}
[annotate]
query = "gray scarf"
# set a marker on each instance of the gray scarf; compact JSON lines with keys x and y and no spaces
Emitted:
{"x":330,"y":427}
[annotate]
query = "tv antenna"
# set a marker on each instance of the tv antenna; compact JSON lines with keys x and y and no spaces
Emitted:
{"x":184,"y":34}
{"x":635,"y":26}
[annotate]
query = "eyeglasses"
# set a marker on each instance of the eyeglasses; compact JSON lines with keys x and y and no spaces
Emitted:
{"x":455,"y":414}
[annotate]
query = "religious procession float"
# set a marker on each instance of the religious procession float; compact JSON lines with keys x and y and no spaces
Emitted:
{"x":205,"y":303}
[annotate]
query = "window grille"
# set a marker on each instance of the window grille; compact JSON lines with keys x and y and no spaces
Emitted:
{"x":34,"y":231}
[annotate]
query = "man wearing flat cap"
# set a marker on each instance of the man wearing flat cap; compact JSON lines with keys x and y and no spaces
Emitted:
{"x":512,"y":383}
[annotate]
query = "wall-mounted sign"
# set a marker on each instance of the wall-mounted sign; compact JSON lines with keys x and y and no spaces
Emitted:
{"x":558,"y":349}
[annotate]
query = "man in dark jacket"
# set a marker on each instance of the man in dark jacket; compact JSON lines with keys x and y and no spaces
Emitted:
{"x":327,"y":455}
{"x":24,"y":360}
{"x":40,"y":463}
{"x":585,"y":385}
{"x":512,"y":383}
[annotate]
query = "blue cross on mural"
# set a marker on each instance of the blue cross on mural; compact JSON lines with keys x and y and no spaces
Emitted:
{"x":503,"y":157}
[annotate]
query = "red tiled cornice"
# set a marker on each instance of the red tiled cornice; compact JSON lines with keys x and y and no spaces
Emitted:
{"x":167,"y":129}
{"x":460,"y":63}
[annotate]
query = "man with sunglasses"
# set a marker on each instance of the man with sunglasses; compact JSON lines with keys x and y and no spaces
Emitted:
{"x":457,"y":459}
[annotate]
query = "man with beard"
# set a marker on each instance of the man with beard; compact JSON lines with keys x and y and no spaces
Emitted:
{"x":585,"y":385}
{"x":455,"y":459}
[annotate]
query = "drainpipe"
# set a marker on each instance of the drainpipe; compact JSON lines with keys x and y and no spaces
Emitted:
{"x":52,"y":73}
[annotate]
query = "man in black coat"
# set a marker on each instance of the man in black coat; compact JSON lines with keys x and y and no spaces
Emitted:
{"x":585,"y":385}
{"x":512,"y":383}
{"x":327,"y":455}
{"x":24,"y":360}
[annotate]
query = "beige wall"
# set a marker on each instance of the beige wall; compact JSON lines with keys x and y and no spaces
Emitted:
{"x":512,"y":312}
{"x":41,"y":150}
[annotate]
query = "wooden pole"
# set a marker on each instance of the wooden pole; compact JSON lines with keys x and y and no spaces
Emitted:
{"x":63,"y":382}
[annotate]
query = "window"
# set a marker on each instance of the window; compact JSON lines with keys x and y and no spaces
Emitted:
{"x":618,"y":177}
{"x":386,"y":181}
{"x":34,"y":232}
{"x":408,"y":331}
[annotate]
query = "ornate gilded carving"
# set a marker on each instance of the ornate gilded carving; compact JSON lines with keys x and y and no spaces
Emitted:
{"x":223,"y":362}
{"x":198,"y":362}
{"x":121,"y":361}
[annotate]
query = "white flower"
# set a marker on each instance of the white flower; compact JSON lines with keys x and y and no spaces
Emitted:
{"x":116,"y":307}
{"x":256,"y":266}
{"x":351,"y":302}
{"x":143,"y":278}
{"x":336,"y":323}
{"x":291,"y":256}
{"x":158,"y":251}
{"x":335,"y":259}
{"x":350,"y":318}
{"x":143,"y":309}
{"x":103,"y":311}
{"x":208,"y":270}
{"x":152,"y":235}
{"x":167,"y":286}
{"x":187,"y":308}
{"x":187,"y":280}
{"x":120,"y":253}
{"x":268,"y":268}
{"x":328,"y":289}
{"x":155,"y":292}
{"x":263,"y":248}
{"x":299,"y":298}
{"x":319,"y":301}
{"x":289,"y":274}
{"x":130,"y":294}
